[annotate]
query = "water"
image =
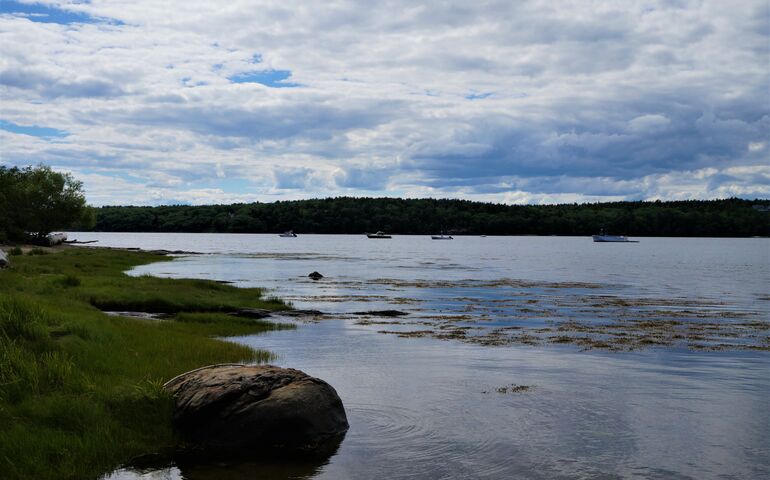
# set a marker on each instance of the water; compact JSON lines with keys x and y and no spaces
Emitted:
{"x":423,"y":407}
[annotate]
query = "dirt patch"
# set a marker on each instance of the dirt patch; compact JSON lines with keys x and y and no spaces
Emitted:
{"x":140,"y":315}
{"x":26,"y":248}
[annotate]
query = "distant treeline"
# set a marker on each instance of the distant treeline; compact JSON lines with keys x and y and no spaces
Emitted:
{"x":721,"y":218}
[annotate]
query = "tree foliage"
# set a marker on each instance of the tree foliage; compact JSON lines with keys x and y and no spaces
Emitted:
{"x":724,"y":218}
{"x":34,"y":201}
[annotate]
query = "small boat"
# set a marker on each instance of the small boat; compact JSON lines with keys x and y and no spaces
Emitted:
{"x":602,"y":237}
{"x":441,"y":237}
{"x":289,"y":234}
{"x":55,"y":239}
{"x":379,"y":234}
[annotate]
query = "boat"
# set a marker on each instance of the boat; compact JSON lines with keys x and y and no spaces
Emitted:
{"x":441,"y":237}
{"x":55,"y":239}
{"x":602,"y":237}
{"x":379,"y":234}
{"x":289,"y":234}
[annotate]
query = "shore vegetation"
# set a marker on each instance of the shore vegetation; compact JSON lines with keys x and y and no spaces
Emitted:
{"x":81,"y":390}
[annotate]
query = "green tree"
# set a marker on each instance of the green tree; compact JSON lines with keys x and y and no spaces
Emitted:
{"x":35,"y":201}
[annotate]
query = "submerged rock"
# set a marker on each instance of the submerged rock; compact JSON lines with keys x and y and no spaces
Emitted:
{"x":4,"y":261}
{"x":382,"y":313}
{"x":316,"y":276}
{"x":301,"y":313}
{"x":251,"y":407}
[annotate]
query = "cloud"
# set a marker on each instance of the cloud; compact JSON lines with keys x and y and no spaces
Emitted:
{"x":363,"y":178}
{"x":292,"y":178}
{"x":496,"y":100}
{"x":51,"y":86}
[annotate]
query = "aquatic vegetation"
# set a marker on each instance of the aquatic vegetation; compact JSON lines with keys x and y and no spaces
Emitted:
{"x":510,"y":312}
{"x":513,"y":388}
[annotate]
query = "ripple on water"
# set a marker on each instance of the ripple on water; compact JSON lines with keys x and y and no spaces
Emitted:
{"x":410,"y":445}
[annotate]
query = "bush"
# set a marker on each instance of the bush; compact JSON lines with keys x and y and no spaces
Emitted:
{"x":15,"y":251}
{"x":37,"y":251}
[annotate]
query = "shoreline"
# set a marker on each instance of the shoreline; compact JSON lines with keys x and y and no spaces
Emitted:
{"x":80,"y":390}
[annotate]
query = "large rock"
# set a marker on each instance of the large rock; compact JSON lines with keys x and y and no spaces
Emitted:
{"x":4,"y":261}
{"x":253,"y":407}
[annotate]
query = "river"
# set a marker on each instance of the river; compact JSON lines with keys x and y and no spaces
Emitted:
{"x":518,"y":357}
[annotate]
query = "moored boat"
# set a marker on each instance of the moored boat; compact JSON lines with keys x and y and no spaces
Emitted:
{"x":379,"y":234}
{"x":441,"y":237}
{"x":289,"y":234}
{"x":602,"y":237}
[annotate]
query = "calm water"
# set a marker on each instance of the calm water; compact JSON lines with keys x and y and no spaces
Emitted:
{"x":428,"y":408}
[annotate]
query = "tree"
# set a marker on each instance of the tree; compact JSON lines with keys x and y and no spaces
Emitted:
{"x":34,"y":201}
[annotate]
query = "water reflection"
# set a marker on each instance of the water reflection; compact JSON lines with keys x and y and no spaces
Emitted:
{"x":219,"y":471}
{"x":272,"y":466}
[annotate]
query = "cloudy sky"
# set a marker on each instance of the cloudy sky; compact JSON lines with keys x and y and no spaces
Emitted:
{"x":191,"y":101}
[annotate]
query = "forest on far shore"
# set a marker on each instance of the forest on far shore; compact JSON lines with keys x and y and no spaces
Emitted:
{"x":698,"y":218}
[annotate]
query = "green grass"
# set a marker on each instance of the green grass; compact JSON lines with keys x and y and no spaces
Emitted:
{"x":81,"y":391}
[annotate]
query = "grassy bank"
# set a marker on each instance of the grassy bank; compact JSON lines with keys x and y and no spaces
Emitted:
{"x":81,"y":391}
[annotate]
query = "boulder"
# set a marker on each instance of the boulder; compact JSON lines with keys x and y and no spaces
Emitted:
{"x":4,"y":261}
{"x":315,"y":276}
{"x":254,"y":407}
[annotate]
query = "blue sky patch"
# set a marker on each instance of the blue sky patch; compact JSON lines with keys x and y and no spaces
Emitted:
{"x":478,"y":96}
{"x":269,"y":78}
{"x":37,"y":12}
{"x":234,"y":185}
{"x":32,"y":130}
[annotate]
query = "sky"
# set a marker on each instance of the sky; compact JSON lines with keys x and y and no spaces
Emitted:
{"x":518,"y":102}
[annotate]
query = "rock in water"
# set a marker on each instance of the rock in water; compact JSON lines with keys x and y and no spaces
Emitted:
{"x":239,"y":407}
{"x":316,"y":276}
{"x":4,"y":261}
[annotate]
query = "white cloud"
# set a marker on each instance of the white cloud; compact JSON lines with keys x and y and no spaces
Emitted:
{"x":588,"y":100}
{"x":648,"y":123}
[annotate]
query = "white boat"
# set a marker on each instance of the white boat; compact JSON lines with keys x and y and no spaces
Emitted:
{"x":441,"y":237}
{"x":379,"y":234}
{"x":602,"y":237}
{"x":289,"y":234}
{"x":55,"y":238}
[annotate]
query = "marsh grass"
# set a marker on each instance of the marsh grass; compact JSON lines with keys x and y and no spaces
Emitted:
{"x":81,"y":392}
